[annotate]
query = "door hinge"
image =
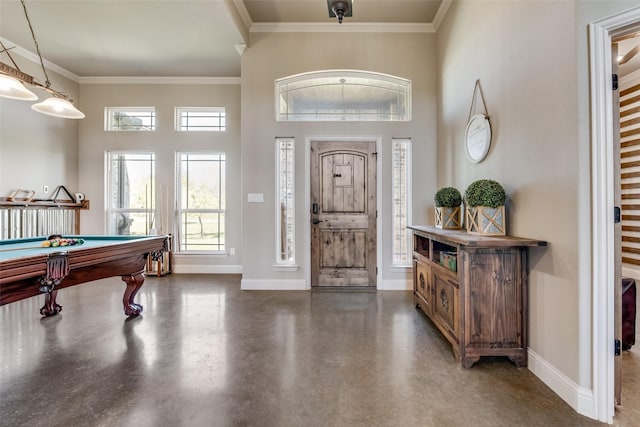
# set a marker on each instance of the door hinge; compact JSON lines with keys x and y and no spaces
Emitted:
{"x":614,"y":82}
{"x":375,"y":154}
{"x":616,"y":214}
{"x":376,"y":271}
{"x":616,"y":347}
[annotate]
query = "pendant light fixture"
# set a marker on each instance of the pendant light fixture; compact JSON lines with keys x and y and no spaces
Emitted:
{"x":13,"y":81}
{"x":14,"y":89}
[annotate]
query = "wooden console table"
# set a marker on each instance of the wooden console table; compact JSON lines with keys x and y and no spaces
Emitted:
{"x":474,"y":289}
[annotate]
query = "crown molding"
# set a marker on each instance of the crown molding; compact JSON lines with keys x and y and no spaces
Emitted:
{"x":151,"y":80}
{"x":28,"y":55}
{"x":243,"y":12}
{"x":347,"y":27}
{"x":440,"y":14}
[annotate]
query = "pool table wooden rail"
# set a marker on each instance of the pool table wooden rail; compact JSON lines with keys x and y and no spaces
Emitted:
{"x":22,"y":277}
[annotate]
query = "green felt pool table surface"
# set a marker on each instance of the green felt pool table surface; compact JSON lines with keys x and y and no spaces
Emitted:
{"x":28,"y":269}
{"x":32,"y":246}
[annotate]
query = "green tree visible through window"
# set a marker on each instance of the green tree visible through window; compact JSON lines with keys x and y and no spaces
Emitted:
{"x":201,"y":212}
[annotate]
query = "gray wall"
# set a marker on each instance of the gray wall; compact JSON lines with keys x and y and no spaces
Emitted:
{"x":276,"y":55}
{"x":165,"y":142}
{"x":36,"y":149}
{"x":532,"y":61}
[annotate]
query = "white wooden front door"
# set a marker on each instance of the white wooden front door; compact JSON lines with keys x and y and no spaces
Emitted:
{"x":343,"y":214}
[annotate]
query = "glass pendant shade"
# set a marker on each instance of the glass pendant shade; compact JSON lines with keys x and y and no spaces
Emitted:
{"x":14,"y":89}
{"x":58,"y":107}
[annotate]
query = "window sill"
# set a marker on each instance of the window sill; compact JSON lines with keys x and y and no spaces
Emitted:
{"x":291,"y":267}
{"x":400,"y":268}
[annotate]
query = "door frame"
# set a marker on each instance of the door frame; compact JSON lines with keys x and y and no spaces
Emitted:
{"x":603,"y":264}
{"x":307,"y":199}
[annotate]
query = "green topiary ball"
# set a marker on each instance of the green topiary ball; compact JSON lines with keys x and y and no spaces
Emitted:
{"x":485,"y":192}
{"x":448,"y":197}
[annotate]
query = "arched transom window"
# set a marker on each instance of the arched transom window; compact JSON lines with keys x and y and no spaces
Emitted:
{"x":343,"y":95}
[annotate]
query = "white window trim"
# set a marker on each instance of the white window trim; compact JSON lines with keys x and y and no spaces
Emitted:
{"x":283,"y":265}
{"x":178,"y":115}
{"x":108,"y":118}
{"x":398,"y":266}
{"x":107,"y":186}
{"x":340,"y":74}
{"x":177,"y":212}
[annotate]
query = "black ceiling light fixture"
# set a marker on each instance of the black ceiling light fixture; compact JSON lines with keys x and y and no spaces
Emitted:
{"x":340,"y":9}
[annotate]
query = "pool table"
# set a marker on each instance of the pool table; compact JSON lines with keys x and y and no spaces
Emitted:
{"x":28,"y":269}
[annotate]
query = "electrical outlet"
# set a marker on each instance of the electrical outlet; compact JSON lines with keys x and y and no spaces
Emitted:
{"x":232,"y":251}
{"x":45,"y":189}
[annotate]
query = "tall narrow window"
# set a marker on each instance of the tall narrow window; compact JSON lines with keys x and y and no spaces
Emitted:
{"x":285,"y":206}
{"x":401,"y":187}
{"x":130,"y":193}
{"x":201,"y":202}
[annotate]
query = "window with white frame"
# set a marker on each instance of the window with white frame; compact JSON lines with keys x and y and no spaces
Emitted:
{"x":118,"y":119}
{"x":401,"y":195}
{"x":201,"y":202}
{"x":194,"y":119}
{"x":285,"y":206}
{"x":130,"y":193}
{"x":343,"y":95}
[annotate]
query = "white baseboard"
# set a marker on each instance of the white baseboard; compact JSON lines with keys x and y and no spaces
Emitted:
{"x":396,"y":285}
{"x":579,"y":398}
{"x":205,"y":269}
{"x":273,"y":285}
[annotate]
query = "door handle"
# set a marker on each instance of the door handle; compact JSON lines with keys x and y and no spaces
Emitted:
{"x":316,"y":221}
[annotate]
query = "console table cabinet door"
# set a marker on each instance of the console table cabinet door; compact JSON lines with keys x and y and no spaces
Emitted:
{"x":422,"y":285}
{"x":446,"y":306}
{"x":494,"y":304}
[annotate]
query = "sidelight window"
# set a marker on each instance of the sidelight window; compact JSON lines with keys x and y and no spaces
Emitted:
{"x":401,"y":188}
{"x":285,"y":206}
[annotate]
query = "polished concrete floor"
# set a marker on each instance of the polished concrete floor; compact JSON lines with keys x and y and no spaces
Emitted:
{"x":205,"y":353}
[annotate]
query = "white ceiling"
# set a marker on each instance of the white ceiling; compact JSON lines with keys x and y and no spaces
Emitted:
{"x":178,"y":38}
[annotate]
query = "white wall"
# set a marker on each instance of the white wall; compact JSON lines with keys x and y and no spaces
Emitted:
{"x":165,"y":142}
{"x":275,"y":55}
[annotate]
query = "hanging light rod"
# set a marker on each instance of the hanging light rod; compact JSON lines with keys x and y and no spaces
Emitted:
{"x":13,"y":80}
{"x":340,"y":8}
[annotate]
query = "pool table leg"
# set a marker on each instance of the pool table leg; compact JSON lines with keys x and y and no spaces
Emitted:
{"x":134,"y":283}
{"x":50,"y":307}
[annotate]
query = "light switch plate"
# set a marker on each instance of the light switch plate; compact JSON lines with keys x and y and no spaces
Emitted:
{"x":255,"y":198}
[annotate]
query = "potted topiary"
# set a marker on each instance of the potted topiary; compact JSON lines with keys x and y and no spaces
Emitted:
{"x":484,"y":203}
{"x":447,"y":201}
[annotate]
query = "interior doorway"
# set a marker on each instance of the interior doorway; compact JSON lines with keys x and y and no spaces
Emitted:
{"x":627,"y":110}
{"x":605,"y":265}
